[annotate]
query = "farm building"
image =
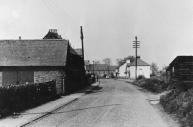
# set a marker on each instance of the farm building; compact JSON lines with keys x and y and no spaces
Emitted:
{"x":26,"y":61}
{"x":181,"y":69}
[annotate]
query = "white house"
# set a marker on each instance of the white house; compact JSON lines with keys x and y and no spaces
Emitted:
{"x":143,"y":68}
{"x":124,"y":70}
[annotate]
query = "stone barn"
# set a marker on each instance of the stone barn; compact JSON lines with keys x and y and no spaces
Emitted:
{"x":37,"y":61}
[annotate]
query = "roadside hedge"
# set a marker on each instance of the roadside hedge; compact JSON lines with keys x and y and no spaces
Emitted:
{"x":21,"y":97}
{"x":152,"y":84}
{"x":180,"y":103}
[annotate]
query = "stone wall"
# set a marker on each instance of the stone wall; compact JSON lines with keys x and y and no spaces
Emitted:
{"x":46,"y":76}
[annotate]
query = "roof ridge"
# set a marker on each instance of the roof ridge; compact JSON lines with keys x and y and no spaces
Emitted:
{"x":140,"y":62}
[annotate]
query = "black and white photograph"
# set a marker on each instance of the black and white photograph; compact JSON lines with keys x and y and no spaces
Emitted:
{"x":96,"y":63}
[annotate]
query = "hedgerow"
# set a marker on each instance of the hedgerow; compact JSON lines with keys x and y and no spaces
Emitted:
{"x":21,"y":97}
{"x":152,"y":84}
{"x":180,"y":102}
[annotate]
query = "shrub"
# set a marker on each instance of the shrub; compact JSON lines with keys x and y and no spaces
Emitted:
{"x":153,"y":84}
{"x":140,"y":77}
{"x":179,"y":102}
{"x":21,"y":97}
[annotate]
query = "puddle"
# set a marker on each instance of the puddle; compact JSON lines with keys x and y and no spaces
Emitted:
{"x":154,"y":102}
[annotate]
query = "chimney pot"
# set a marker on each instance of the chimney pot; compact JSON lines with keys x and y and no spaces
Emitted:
{"x":19,"y":37}
{"x":128,"y":61}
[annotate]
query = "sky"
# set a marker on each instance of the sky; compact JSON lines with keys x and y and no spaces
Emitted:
{"x":163,"y":27}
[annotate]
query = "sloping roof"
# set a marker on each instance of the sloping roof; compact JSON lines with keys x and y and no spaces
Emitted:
{"x":73,"y":51}
{"x":113,"y":67}
{"x":79,"y":51}
{"x":46,"y":52}
{"x":139,"y":63}
{"x":101,"y":67}
{"x":182,"y":59}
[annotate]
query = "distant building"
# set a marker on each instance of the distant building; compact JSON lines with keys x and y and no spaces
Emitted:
{"x":143,"y":68}
{"x":123,"y":70}
{"x":101,"y":69}
{"x":181,"y":69}
{"x":127,"y":70}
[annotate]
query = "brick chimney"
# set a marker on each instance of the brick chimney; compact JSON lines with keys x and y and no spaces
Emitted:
{"x":128,"y":61}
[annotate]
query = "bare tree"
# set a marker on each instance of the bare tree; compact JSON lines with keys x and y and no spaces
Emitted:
{"x":107,"y":61}
{"x":97,"y":61}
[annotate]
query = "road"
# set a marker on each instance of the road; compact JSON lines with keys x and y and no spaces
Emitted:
{"x":113,"y":104}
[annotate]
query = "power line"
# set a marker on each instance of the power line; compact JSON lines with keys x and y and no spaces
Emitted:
{"x":61,"y":11}
{"x":60,"y":16}
{"x":66,"y":14}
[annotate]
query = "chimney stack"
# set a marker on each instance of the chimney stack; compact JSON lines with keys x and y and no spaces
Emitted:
{"x":128,"y":61}
{"x":19,"y":37}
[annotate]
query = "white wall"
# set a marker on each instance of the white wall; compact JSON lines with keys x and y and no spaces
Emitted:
{"x":122,"y":70}
{"x":141,"y":70}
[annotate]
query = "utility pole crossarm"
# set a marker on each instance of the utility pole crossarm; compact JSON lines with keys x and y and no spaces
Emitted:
{"x":136,"y":45}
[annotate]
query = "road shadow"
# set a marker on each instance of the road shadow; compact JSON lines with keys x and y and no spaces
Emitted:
{"x":56,"y":112}
{"x":95,"y":90}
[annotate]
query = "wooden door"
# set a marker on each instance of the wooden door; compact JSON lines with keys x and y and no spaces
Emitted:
{"x":9,"y":78}
{"x":25,"y":76}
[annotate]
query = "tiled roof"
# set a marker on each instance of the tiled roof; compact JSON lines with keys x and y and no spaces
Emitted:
{"x":182,"y":59}
{"x":139,"y":63}
{"x":79,"y":51}
{"x":113,"y":67}
{"x":46,"y":52}
{"x":101,"y":67}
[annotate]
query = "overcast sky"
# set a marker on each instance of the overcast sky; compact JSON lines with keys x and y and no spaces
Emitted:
{"x":163,"y":27}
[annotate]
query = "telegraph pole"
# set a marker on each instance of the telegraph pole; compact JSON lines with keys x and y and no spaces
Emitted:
{"x":136,"y":45}
{"x":81,"y":36}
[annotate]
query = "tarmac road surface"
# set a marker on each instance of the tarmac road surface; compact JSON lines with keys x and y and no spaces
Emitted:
{"x":113,"y":104}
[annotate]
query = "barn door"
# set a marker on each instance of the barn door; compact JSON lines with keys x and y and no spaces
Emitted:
{"x":9,"y":78}
{"x":25,"y":76}
{"x":17,"y":77}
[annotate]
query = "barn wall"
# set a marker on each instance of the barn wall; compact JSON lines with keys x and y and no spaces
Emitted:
{"x":9,"y":78}
{"x":46,"y":76}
